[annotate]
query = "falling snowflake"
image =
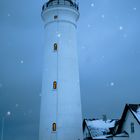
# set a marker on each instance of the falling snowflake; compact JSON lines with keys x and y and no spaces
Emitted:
{"x":89,"y":25}
{"x":112,"y":84}
{"x":103,"y":57}
{"x":8,"y":113}
{"x":102,"y":16}
{"x":121,"y":27}
{"x":134,"y":8}
{"x":59,"y":35}
{"x":17,"y":105}
{"x":92,"y":4}
{"x":21,"y":61}
{"x":8,"y":15}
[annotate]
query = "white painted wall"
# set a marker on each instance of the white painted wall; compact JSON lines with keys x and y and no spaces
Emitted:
{"x":127,"y":127}
{"x":62,"y":105}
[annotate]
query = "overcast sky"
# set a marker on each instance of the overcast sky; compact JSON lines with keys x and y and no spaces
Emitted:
{"x":109,"y":61}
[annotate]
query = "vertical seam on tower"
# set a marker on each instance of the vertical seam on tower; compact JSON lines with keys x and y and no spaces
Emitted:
{"x":57,"y":26}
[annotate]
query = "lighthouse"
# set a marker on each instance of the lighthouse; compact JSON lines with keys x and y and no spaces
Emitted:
{"x":60,"y":116}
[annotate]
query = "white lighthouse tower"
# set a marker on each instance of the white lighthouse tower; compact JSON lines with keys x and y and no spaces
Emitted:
{"x":61,"y":117}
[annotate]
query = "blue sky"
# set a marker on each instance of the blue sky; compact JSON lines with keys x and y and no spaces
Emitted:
{"x":108,"y":51}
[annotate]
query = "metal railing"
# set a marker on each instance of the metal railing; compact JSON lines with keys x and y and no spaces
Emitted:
{"x":68,"y":3}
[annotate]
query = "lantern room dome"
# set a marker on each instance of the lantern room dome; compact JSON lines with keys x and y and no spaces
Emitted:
{"x":65,"y":3}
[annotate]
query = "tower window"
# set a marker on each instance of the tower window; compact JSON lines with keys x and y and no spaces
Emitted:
{"x":55,"y":47}
{"x":54,"y":127}
{"x":55,"y":17}
{"x":43,"y":7}
{"x":54,"y":85}
{"x":132,"y":128}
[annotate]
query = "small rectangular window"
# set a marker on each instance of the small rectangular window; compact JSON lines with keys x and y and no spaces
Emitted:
{"x":55,"y":47}
{"x":54,"y":85}
{"x":55,"y":17}
{"x":43,"y":8}
{"x":132,"y":128}
{"x":54,"y":127}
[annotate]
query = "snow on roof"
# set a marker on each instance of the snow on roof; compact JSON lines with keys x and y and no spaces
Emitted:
{"x":101,"y":124}
{"x":137,"y":113}
{"x":100,"y":128}
{"x":135,"y":109}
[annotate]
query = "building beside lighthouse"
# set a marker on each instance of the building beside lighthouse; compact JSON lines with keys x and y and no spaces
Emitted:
{"x":61,"y":116}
